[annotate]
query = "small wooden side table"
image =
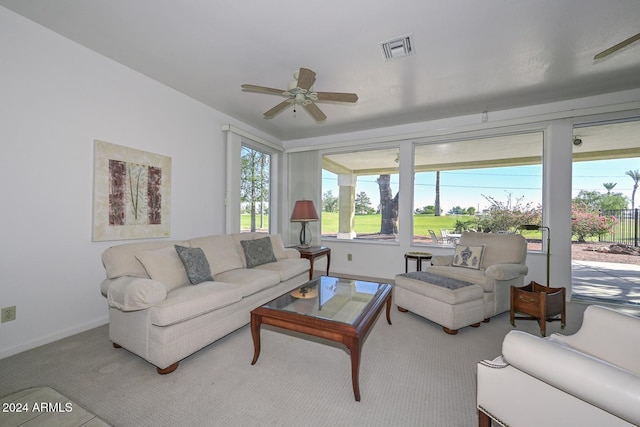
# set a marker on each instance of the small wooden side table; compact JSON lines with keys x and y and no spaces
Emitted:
{"x":418,"y":256}
{"x":313,"y":252}
{"x":540,"y":303}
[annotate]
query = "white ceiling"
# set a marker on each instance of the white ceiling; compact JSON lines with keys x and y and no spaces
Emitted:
{"x":470,"y":55}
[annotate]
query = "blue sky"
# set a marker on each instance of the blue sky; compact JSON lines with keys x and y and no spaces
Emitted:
{"x":466,"y":188}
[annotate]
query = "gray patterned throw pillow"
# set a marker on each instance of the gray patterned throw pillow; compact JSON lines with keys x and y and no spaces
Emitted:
{"x":196,"y":264}
{"x":258,"y":251}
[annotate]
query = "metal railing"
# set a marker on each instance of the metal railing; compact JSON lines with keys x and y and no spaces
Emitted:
{"x":625,"y":231}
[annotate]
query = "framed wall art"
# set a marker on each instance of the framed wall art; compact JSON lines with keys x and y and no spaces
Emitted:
{"x":131,"y":193}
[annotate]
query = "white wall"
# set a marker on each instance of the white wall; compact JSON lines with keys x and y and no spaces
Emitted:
{"x":56,"y":99}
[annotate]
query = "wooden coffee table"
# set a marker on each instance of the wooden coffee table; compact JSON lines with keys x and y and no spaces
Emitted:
{"x":336,"y":309}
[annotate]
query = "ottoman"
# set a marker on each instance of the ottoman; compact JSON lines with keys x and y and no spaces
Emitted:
{"x":449,"y":302}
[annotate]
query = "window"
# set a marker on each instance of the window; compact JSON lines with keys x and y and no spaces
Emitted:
{"x":255,"y":182}
{"x":360,"y":193}
{"x":486,"y":184}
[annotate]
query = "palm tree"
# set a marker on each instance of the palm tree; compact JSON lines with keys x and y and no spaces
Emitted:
{"x":635,"y":176}
{"x":609,"y":186}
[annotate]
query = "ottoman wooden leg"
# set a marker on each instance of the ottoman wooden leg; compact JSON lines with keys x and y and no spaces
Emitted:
{"x":402,"y":310}
{"x":450,"y":331}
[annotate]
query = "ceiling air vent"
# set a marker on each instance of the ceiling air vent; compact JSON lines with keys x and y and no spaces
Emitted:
{"x":397,"y":48}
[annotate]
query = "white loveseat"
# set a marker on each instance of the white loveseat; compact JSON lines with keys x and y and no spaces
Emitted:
{"x":499,"y":264}
{"x":591,"y":378}
{"x":155,"y":310}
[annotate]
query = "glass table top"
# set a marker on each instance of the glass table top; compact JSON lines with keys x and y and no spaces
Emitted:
{"x":330,"y":298}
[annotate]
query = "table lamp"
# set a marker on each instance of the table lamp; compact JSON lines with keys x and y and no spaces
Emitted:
{"x":303,"y":212}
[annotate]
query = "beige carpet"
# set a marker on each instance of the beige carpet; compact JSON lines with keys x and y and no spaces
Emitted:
{"x":411,"y":374}
{"x":43,"y":406}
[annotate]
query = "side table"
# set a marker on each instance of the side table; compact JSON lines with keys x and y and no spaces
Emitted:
{"x":418,"y":256}
{"x":313,"y":252}
{"x":540,"y":303}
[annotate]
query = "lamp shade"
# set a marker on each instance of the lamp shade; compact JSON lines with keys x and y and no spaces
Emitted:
{"x":304,"y":211}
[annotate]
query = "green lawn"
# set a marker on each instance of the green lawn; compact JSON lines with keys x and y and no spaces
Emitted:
{"x":370,"y":224}
{"x":366,"y":224}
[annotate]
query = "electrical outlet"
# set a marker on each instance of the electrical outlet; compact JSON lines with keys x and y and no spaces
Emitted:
{"x":349,"y":257}
{"x":8,"y":314}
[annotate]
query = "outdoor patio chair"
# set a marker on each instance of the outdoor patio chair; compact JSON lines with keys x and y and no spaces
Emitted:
{"x":434,"y":238}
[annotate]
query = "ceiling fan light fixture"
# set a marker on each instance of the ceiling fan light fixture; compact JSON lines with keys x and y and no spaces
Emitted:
{"x":398,"y":47}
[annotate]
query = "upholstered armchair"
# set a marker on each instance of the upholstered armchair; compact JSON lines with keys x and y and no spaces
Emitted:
{"x":502,"y":265}
{"x":485,"y":266}
{"x":591,"y":378}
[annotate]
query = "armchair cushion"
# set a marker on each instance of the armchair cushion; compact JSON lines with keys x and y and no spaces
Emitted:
{"x":506,"y":271}
{"x":609,"y":335}
{"x":442,"y":260}
{"x":129,"y":293}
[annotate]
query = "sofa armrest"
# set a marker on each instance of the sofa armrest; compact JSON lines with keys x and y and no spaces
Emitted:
{"x":134,"y":293}
{"x":441,"y":260}
{"x":506,"y":271}
{"x":592,"y":380}
{"x":292,"y":253}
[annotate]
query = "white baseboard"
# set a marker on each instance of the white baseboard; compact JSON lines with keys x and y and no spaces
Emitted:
{"x":53,"y":337}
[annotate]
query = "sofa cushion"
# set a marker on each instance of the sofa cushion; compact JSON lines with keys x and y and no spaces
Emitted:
{"x":287,"y":268}
{"x":191,"y":301}
{"x":164,"y":265}
{"x":258,"y":252}
{"x":195,"y":263}
{"x":468,"y":256}
{"x":221,"y":251}
{"x":120,"y":260}
{"x":250,"y":281}
{"x":134,"y":293}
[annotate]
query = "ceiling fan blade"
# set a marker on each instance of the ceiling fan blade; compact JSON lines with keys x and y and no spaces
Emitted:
{"x":306,"y":78}
{"x":337,"y":96}
{"x":278,"y":108}
{"x":617,"y":47}
{"x":263,"y":89}
{"x":315,"y":112}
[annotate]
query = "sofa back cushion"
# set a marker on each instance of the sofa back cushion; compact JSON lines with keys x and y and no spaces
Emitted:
{"x":499,"y":248}
{"x":121,"y":260}
{"x":164,"y":265}
{"x":221,"y":252}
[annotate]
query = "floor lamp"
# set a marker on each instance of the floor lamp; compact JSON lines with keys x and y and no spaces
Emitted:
{"x":303,"y":212}
{"x":541,"y":227}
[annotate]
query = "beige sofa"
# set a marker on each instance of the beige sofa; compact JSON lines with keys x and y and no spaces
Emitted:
{"x":591,"y":378}
{"x":496,"y":262}
{"x":155,"y":310}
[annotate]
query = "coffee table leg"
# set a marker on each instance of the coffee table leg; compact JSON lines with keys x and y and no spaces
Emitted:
{"x":255,"y":334}
{"x":353,"y":344}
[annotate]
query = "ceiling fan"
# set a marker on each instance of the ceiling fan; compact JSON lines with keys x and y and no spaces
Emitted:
{"x":617,"y":47}
{"x":301,"y":92}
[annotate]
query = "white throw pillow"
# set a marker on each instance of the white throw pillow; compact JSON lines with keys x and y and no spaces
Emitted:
{"x":468,"y":256}
{"x":165,"y":266}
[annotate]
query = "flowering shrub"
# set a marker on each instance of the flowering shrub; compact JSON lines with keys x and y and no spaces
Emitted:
{"x":588,"y":223}
{"x":509,"y":216}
